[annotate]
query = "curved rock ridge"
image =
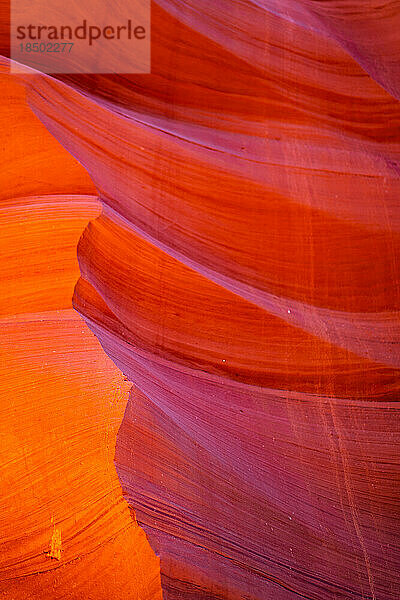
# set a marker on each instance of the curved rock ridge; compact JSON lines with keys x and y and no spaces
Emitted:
{"x":243,"y":274}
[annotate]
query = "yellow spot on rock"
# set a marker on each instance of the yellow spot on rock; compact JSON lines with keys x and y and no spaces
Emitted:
{"x":55,"y":544}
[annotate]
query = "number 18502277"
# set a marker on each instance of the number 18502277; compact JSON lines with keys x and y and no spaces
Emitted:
{"x":46,"y":47}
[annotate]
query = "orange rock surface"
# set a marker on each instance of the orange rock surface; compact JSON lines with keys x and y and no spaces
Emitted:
{"x":66,"y":531}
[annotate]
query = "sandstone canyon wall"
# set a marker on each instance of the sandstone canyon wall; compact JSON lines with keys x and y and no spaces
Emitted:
{"x":241,"y":269}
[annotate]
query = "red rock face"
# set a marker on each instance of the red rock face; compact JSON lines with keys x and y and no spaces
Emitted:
{"x":243,"y":274}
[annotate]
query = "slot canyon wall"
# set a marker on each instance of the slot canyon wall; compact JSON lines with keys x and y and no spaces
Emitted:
{"x":237,"y":212}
